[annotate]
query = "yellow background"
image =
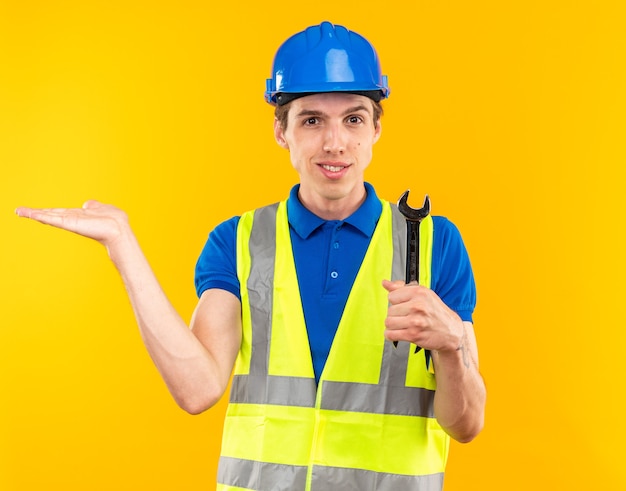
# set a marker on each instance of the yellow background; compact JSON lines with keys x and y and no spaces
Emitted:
{"x":509,"y":114}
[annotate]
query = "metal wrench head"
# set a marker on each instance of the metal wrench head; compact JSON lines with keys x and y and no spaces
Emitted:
{"x":413,"y":214}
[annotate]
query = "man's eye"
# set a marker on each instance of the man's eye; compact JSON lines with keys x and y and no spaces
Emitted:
{"x":310,"y":121}
{"x":355,"y":119}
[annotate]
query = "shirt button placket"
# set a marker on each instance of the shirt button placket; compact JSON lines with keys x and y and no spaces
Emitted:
{"x":334,"y":274}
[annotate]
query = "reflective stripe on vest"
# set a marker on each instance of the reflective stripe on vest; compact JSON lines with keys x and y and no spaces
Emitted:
{"x":374,"y":402}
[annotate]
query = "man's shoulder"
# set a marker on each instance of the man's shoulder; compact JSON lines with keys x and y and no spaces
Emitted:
{"x":225,"y":229}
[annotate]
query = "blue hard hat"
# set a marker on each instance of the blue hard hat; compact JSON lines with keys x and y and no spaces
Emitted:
{"x":325,"y":58}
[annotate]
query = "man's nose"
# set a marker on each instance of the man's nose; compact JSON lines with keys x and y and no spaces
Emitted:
{"x":335,"y":139}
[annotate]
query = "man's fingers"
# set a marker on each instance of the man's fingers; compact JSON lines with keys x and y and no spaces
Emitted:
{"x":24,"y":211}
{"x":94,"y":220}
{"x":33,"y":213}
{"x":51,"y":213}
{"x":65,"y":218}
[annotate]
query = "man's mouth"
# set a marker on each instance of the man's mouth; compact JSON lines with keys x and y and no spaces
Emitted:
{"x":333,"y":168}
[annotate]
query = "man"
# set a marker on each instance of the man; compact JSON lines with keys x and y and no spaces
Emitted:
{"x":305,"y":299}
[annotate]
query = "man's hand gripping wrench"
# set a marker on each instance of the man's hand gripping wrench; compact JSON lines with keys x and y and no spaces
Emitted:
{"x":413,"y":218}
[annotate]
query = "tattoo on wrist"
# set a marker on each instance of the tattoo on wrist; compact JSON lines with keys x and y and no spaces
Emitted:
{"x":463,"y":349}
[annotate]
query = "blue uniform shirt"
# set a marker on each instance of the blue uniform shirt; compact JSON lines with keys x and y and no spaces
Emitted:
{"x":328,"y":254}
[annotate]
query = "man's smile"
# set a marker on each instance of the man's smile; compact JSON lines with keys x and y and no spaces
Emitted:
{"x":332,"y":168}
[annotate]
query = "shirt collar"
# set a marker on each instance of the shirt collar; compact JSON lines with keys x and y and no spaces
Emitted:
{"x":364,"y":219}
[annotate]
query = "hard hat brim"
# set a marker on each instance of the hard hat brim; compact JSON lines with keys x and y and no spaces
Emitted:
{"x":282,"y":98}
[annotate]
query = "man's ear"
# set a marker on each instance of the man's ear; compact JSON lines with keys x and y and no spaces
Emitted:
{"x":279,"y":135}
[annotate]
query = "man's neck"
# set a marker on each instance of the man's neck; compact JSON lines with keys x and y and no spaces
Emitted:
{"x":333,"y":209}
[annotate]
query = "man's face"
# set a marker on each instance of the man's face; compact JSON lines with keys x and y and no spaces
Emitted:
{"x":330,"y":138}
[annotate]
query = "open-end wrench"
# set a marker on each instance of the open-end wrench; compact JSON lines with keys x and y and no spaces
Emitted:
{"x":413,"y":218}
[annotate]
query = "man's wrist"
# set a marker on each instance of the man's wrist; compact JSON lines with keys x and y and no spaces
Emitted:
{"x":458,"y":349}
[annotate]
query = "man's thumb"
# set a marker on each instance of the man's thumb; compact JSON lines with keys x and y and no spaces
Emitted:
{"x":391,"y":286}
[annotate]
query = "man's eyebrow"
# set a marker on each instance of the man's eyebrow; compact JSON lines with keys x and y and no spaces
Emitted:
{"x":314,"y":112}
{"x":309,"y":112}
{"x":355,"y":109}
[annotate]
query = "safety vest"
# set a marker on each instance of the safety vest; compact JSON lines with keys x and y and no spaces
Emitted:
{"x":369,"y":424}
